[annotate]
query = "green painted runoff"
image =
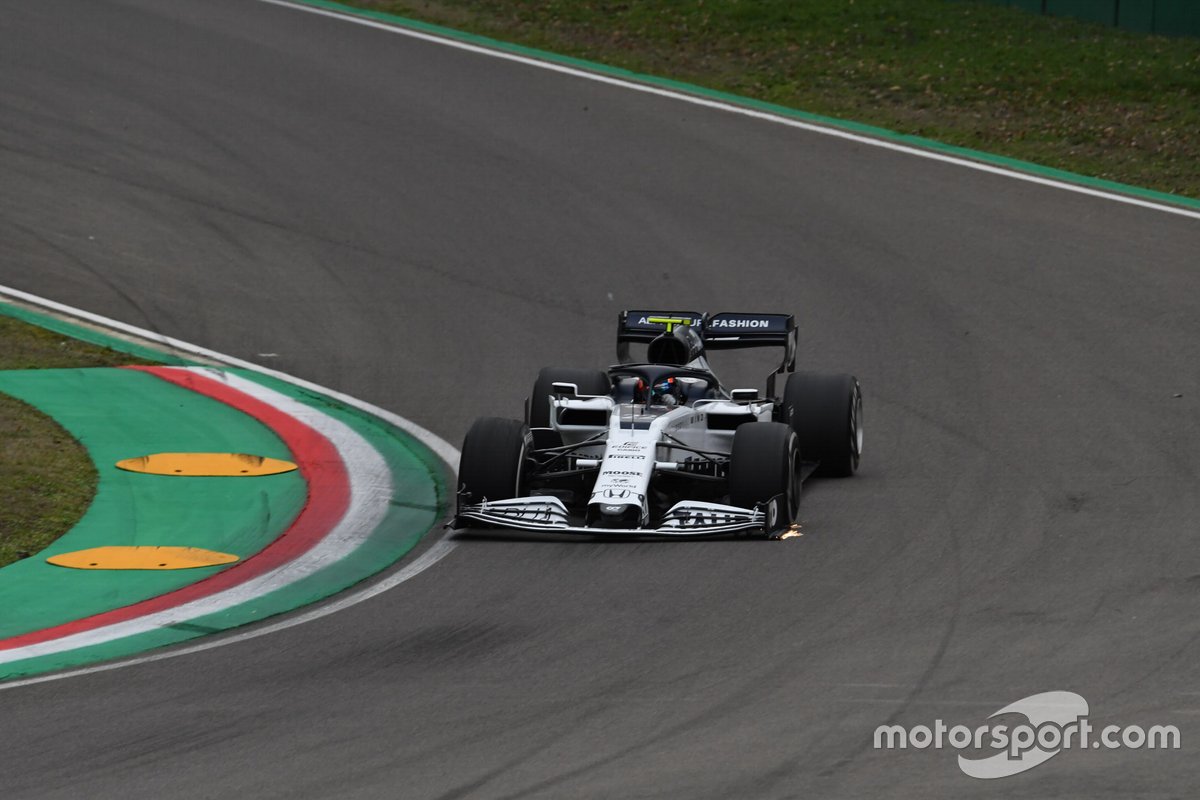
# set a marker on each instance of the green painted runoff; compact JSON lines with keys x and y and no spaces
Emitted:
{"x":115,"y":414}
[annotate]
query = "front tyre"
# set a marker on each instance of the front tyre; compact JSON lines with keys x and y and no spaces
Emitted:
{"x":764,"y":464}
{"x":825,"y":411}
{"x":494,"y":461}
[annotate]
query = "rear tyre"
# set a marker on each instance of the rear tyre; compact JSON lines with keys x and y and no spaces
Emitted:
{"x":825,"y":411}
{"x":589,"y":381}
{"x":493,"y":464}
{"x":765,"y":463}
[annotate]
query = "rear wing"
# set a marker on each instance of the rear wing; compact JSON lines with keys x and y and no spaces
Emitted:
{"x":723,"y":331}
{"x":726,"y":331}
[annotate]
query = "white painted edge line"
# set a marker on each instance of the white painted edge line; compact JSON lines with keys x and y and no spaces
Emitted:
{"x":439,"y":446}
{"x":741,"y":110}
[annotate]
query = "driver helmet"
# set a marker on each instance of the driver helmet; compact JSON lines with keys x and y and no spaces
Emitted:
{"x":666,"y":392}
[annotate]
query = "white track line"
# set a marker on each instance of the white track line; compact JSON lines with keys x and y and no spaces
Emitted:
{"x":741,"y":110}
{"x":439,"y":446}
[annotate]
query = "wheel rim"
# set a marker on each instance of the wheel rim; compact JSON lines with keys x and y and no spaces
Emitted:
{"x":856,"y":426}
{"x":520,"y":470}
{"x":793,"y":484}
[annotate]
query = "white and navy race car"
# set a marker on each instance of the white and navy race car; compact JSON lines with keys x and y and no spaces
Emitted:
{"x":661,"y":447}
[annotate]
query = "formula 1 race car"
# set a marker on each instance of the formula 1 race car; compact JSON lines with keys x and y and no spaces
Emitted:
{"x":660,"y":447}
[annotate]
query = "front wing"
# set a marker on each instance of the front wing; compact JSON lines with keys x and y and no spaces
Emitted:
{"x":549,"y":515}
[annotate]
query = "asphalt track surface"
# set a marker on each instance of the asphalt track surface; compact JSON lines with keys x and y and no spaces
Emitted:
{"x":423,"y":228}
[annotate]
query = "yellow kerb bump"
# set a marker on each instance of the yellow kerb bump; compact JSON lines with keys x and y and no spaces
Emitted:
{"x":206,"y":464}
{"x":142,"y":557}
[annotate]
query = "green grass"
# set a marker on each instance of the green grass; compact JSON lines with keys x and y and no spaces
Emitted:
{"x":1060,"y":92}
{"x":47,"y":479}
{"x":25,"y":346}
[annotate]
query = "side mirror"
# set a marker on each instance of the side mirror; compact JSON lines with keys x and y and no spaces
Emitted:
{"x":743,"y":395}
{"x":564,"y":389}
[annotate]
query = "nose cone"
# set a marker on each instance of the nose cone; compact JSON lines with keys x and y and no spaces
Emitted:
{"x":615,"y":509}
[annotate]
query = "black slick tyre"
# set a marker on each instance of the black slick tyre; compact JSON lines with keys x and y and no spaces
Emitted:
{"x":825,"y":411}
{"x":493,"y":464}
{"x":763,"y":464}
